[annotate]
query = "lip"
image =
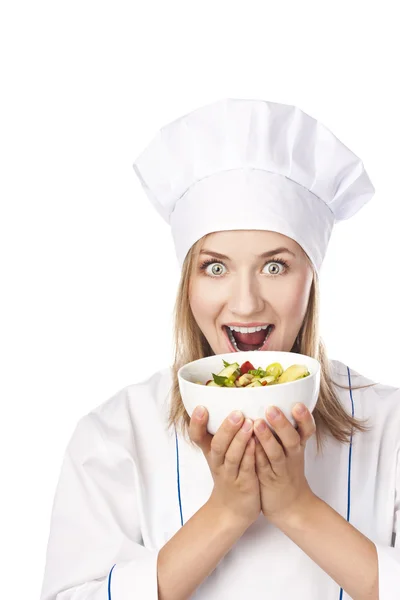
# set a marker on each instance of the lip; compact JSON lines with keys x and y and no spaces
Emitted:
{"x":233,"y":349}
{"x":246,"y":324}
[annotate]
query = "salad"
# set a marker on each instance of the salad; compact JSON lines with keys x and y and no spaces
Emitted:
{"x":233,"y":375}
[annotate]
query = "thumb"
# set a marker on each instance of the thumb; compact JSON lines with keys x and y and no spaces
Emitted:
{"x":198,"y":429}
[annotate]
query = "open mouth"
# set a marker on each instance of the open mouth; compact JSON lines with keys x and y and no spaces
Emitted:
{"x":244,"y":342}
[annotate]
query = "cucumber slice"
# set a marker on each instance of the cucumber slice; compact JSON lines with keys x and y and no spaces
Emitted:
{"x":229,"y":370}
{"x":255,"y":384}
{"x":229,"y":383}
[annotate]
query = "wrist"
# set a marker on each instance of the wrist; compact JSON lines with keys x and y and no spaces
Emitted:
{"x":299,"y":513}
{"x":225,"y":519}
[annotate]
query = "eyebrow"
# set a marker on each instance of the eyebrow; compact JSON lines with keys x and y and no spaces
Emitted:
{"x":263,"y":255}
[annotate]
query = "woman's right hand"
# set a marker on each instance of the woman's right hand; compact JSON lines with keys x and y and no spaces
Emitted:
{"x":230,"y":454}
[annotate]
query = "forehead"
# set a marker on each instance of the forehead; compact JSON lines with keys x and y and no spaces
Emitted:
{"x":247,"y":243}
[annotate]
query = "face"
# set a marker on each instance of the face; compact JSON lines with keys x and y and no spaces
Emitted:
{"x":248,"y":290}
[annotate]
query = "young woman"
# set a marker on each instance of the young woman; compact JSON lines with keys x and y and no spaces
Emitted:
{"x":149,"y":505}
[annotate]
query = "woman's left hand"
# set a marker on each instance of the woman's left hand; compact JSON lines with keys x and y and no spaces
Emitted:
{"x":280,"y":466}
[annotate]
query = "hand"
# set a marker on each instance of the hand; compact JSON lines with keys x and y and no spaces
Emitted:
{"x":280,"y":464}
{"x":230,"y":457}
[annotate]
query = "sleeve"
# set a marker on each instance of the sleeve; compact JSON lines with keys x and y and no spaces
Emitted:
{"x":389,"y":556}
{"x":94,"y":549}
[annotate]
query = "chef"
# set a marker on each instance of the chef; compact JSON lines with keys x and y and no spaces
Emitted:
{"x":251,"y":190}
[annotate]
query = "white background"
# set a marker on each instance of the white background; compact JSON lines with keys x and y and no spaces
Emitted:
{"x":88,"y":268}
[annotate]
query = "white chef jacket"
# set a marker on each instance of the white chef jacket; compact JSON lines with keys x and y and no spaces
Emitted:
{"x":127,"y":485}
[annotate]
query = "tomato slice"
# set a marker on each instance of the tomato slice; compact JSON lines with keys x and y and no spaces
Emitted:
{"x":246,"y":366}
{"x":208,"y":381}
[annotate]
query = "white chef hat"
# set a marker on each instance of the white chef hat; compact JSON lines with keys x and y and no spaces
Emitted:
{"x":252,"y":164}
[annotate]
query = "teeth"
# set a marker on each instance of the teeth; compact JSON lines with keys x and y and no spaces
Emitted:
{"x":248,"y":329}
{"x":233,"y":341}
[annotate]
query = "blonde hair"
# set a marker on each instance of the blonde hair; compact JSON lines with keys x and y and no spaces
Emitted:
{"x":190,"y":344}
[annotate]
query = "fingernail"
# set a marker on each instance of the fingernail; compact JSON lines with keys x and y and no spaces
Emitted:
{"x":261,"y":426}
{"x":300,"y":409}
{"x":247,"y":425}
{"x":235,"y":416}
{"x":199,"y":412}
{"x":272,"y":412}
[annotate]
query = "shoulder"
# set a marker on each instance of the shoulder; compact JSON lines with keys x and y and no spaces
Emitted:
{"x":379,"y":396}
{"x":114,"y":424}
{"x":137,"y":396}
{"x":346,"y":375}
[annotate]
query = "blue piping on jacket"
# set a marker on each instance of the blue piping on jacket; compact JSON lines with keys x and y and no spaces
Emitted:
{"x":349,"y":468}
{"x":109,"y":584}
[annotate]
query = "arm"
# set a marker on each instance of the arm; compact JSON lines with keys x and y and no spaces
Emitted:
{"x":94,"y":526}
{"x":337,"y":547}
{"x":365,"y":569}
{"x":95,"y":548}
{"x":195,"y":551}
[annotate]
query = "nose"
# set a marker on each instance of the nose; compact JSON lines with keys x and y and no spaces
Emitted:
{"x":245,"y":297}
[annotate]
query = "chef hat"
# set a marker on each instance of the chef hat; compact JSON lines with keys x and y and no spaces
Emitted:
{"x":252,"y":164}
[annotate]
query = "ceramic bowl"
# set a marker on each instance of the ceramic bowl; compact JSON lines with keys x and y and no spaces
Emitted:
{"x":252,"y":402}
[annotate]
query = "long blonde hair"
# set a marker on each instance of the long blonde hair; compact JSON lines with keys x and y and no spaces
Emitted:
{"x":190,"y":344}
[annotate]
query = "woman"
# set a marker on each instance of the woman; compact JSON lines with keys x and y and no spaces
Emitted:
{"x":149,"y":504}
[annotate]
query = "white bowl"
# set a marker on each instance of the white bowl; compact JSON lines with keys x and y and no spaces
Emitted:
{"x":252,"y":402}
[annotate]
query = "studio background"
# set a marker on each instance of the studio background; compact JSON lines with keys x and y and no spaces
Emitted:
{"x":88,"y":268}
